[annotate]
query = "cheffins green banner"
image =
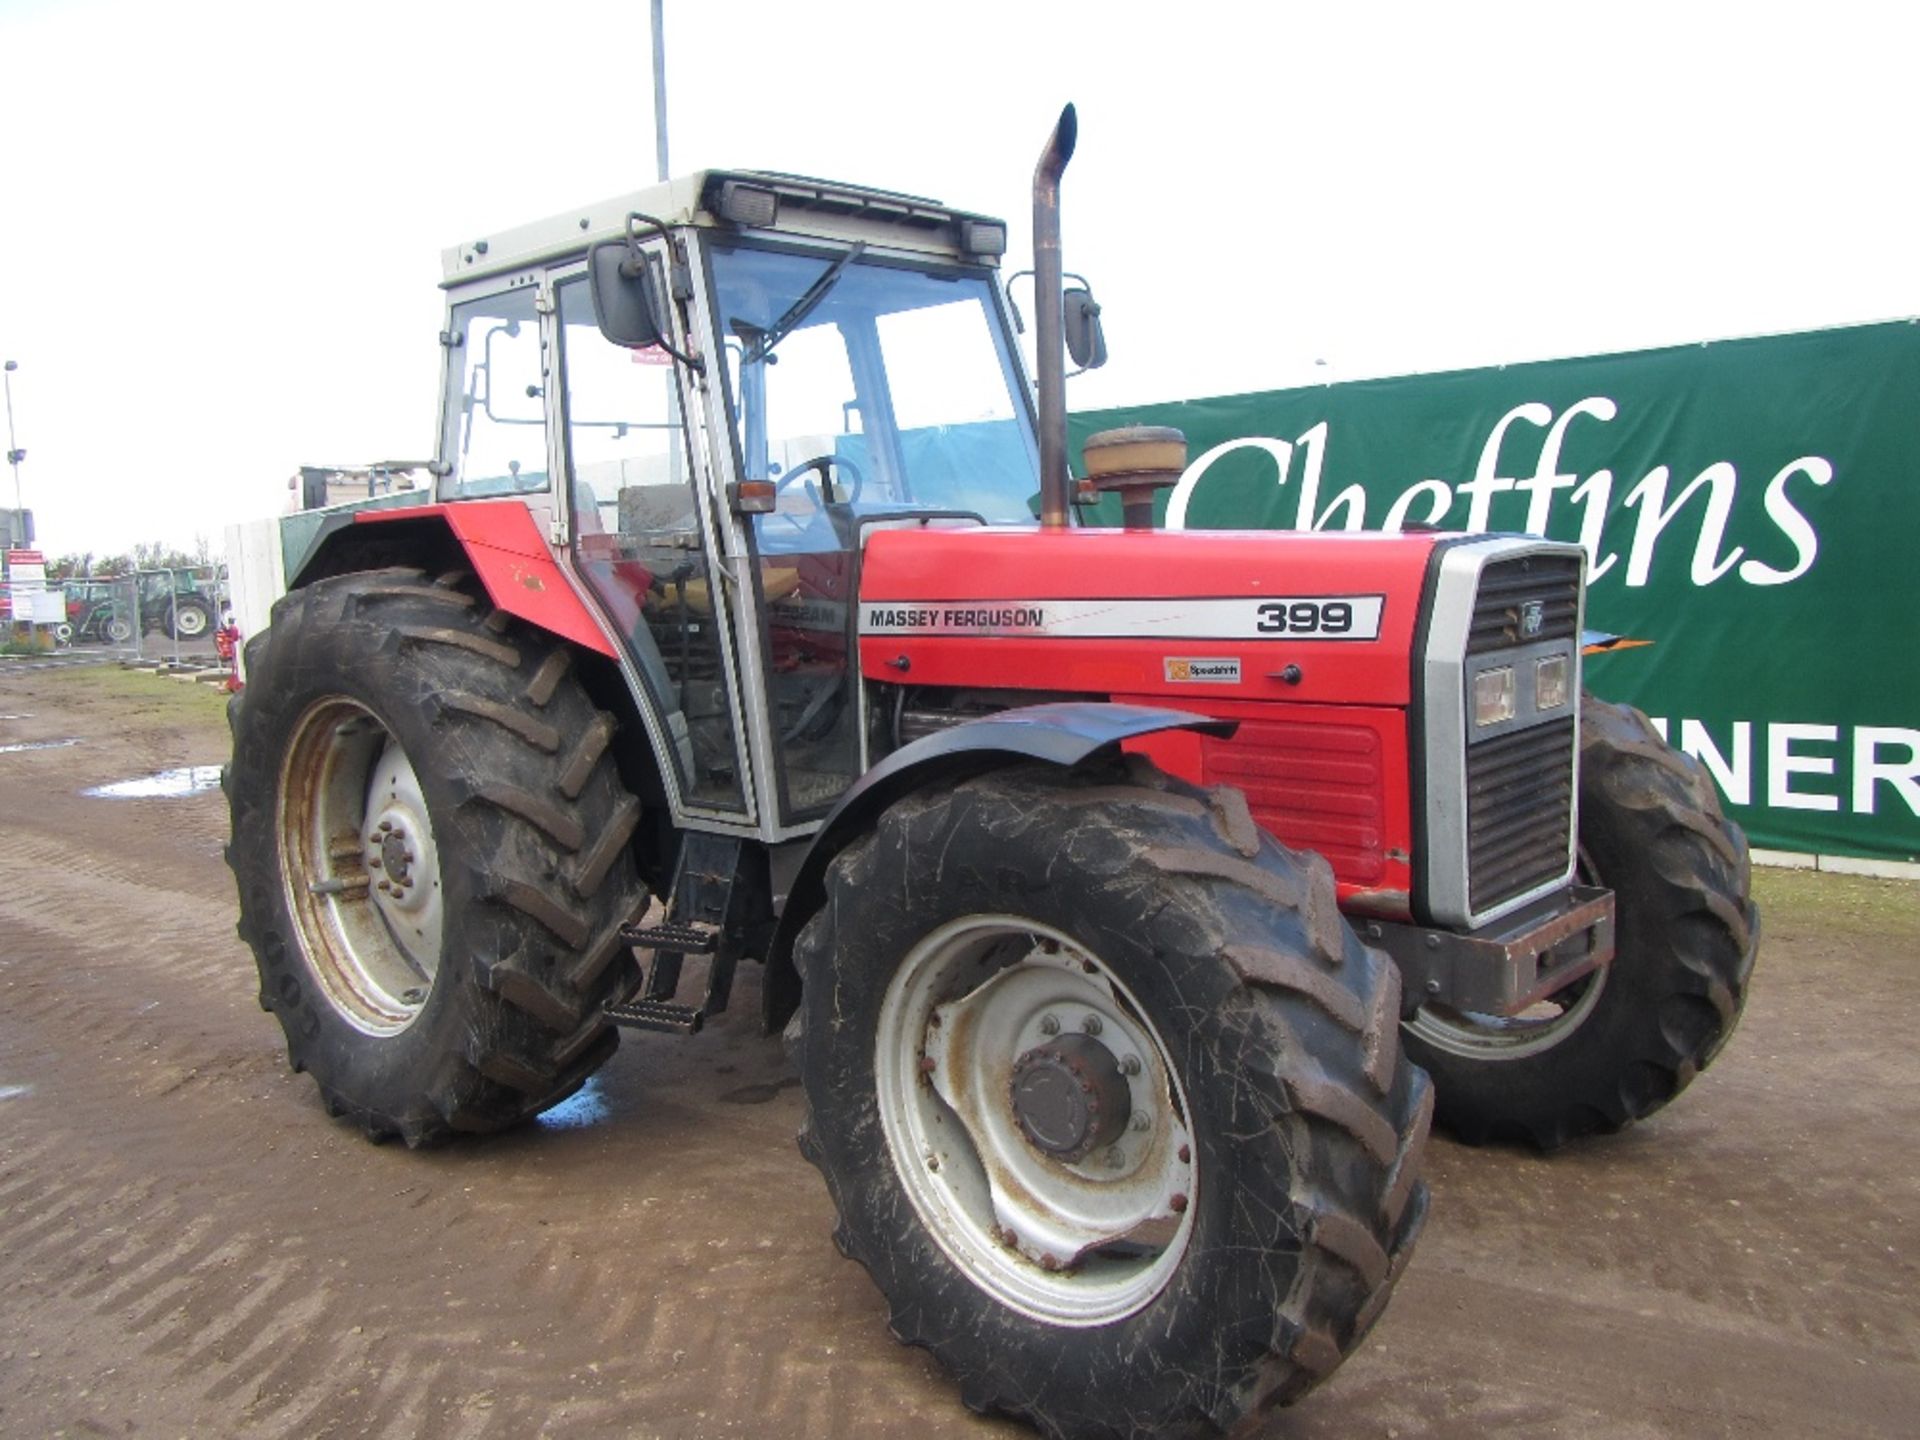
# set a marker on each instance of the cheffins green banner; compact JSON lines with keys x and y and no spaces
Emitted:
{"x":1750,"y":506}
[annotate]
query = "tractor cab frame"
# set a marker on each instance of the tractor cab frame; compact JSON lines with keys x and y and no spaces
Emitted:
{"x":846,"y":364}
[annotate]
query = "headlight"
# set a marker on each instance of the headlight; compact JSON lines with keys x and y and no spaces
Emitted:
{"x":1493,"y":696}
{"x":1550,"y":683}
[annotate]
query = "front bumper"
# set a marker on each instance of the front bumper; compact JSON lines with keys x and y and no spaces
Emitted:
{"x":1506,"y":966}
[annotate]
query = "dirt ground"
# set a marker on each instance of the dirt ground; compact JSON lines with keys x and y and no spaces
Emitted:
{"x":188,"y":1247}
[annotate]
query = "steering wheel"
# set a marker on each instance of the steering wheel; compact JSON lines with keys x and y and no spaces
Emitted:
{"x":824,"y":464}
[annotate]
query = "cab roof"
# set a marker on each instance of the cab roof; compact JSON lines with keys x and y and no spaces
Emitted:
{"x":822,"y":209}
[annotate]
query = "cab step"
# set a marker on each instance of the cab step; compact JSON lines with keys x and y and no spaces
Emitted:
{"x":663,"y":1015}
{"x":708,"y":914}
{"x":679,"y":937}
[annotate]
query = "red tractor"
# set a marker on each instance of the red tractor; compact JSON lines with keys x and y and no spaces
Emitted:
{"x":1122,"y":887}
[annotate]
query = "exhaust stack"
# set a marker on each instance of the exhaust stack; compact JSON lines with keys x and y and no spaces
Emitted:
{"x":1050,"y":358}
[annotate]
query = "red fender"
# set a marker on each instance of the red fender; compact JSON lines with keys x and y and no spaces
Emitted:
{"x":514,"y":562}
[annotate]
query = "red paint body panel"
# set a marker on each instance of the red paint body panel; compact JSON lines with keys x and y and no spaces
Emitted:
{"x":1324,"y":762}
{"x":514,"y":562}
{"x":1335,"y":780}
{"x":982,"y":566}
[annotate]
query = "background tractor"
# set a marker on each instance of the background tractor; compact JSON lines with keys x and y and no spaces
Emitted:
{"x":1100,"y":874}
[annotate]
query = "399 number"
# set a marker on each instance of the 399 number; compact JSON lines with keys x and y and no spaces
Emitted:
{"x":1305,"y":617}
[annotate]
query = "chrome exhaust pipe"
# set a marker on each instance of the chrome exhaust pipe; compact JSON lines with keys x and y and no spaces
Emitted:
{"x":1050,"y":350}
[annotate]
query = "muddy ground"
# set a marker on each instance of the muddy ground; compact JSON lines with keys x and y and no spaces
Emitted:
{"x":188,"y":1247}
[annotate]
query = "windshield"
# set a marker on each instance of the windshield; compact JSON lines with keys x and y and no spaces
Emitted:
{"x":877,"y":387}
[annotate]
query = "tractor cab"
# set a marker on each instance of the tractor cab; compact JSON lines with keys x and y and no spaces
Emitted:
{"x":710,"y":394}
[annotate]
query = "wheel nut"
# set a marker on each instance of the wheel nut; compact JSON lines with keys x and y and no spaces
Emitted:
{"x":1049,"y":1025}
{"x":1179,"y":1204}
{"x":1141,"y":1121}
{"x":1092,"y":1025}
{"x":386,"y":887}
{"x":1130,"y":1065}
{"x":373,"y":862}
{"x":1186,"y":1154}
{"x":926,"y":1065}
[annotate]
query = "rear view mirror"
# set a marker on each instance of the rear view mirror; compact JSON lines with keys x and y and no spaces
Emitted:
{"x":1086,"y":341}
{"x":625,"y":305}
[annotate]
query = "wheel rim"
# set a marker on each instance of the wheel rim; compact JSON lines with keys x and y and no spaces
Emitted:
{"x":1067,"y":1237}
{"x":190,"y":621}
{"x":119,"y":631}
{"x":1538,"y":1028}
{"x":362,"y":871}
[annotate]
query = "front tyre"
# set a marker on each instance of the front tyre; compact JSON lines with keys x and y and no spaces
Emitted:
{"x":1109,"y":1099}
{"x":1618,"y":1044}
{"x":431,"y":848}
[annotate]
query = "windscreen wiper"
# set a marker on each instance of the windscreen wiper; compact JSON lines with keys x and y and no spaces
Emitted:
{"x":801,"y":308}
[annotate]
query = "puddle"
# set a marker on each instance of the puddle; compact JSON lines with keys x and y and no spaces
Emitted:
{"x":16,"y":748}
{"x":167,"y":785}
{"x":583,"y":1108}
{"x":14,"y":1092}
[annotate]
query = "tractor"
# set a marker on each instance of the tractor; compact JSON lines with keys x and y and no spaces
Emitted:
{"x":1118,"y":889}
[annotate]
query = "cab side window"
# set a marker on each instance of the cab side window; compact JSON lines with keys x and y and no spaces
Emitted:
{"x":495,"y":424}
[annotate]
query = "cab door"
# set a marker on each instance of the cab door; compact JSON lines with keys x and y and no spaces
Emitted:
{"x":798,"y":411}
{"x":641,"y":538}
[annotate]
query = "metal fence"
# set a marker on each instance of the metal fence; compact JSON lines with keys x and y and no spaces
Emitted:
{"x":166,"y":615}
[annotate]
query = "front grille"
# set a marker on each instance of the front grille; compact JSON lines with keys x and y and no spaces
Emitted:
{"x":1508,"y":588}
{"x":1519,"y":811}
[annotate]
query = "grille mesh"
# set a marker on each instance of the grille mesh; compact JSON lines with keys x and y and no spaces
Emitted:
{"x":1519,"y":811}
{"x":1508,"y":587}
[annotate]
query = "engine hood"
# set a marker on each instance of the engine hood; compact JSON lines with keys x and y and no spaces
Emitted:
{"x":1215,"y":615}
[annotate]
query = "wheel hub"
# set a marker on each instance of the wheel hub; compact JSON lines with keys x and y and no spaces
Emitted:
{"x":400,"y":855}
{"x":1070,"y":1097}
{"x":1035,"y":1119}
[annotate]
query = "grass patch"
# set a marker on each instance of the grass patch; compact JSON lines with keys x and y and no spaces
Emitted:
{"x":1886,"y":910}
{"x":141,"y":691}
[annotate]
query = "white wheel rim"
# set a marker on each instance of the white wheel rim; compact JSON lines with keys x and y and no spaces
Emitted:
{"x":1076,"y":1243}
{"x":360,"y":865}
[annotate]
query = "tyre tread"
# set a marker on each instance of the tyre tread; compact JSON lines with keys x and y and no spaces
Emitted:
{"x":545,"y":950}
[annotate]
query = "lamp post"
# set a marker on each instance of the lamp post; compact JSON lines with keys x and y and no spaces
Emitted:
{"x":14,"y":453}
{"x":660,"y":88}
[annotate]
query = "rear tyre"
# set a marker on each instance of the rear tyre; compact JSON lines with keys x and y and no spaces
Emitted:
{"x":431,"y":848}
{"x":1109,"y":1099}
{"x":1619,"y":1044}
{"x":188,"y":618}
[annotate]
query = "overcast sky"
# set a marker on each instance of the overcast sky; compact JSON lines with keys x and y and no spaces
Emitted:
{"x":220,"y":224}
